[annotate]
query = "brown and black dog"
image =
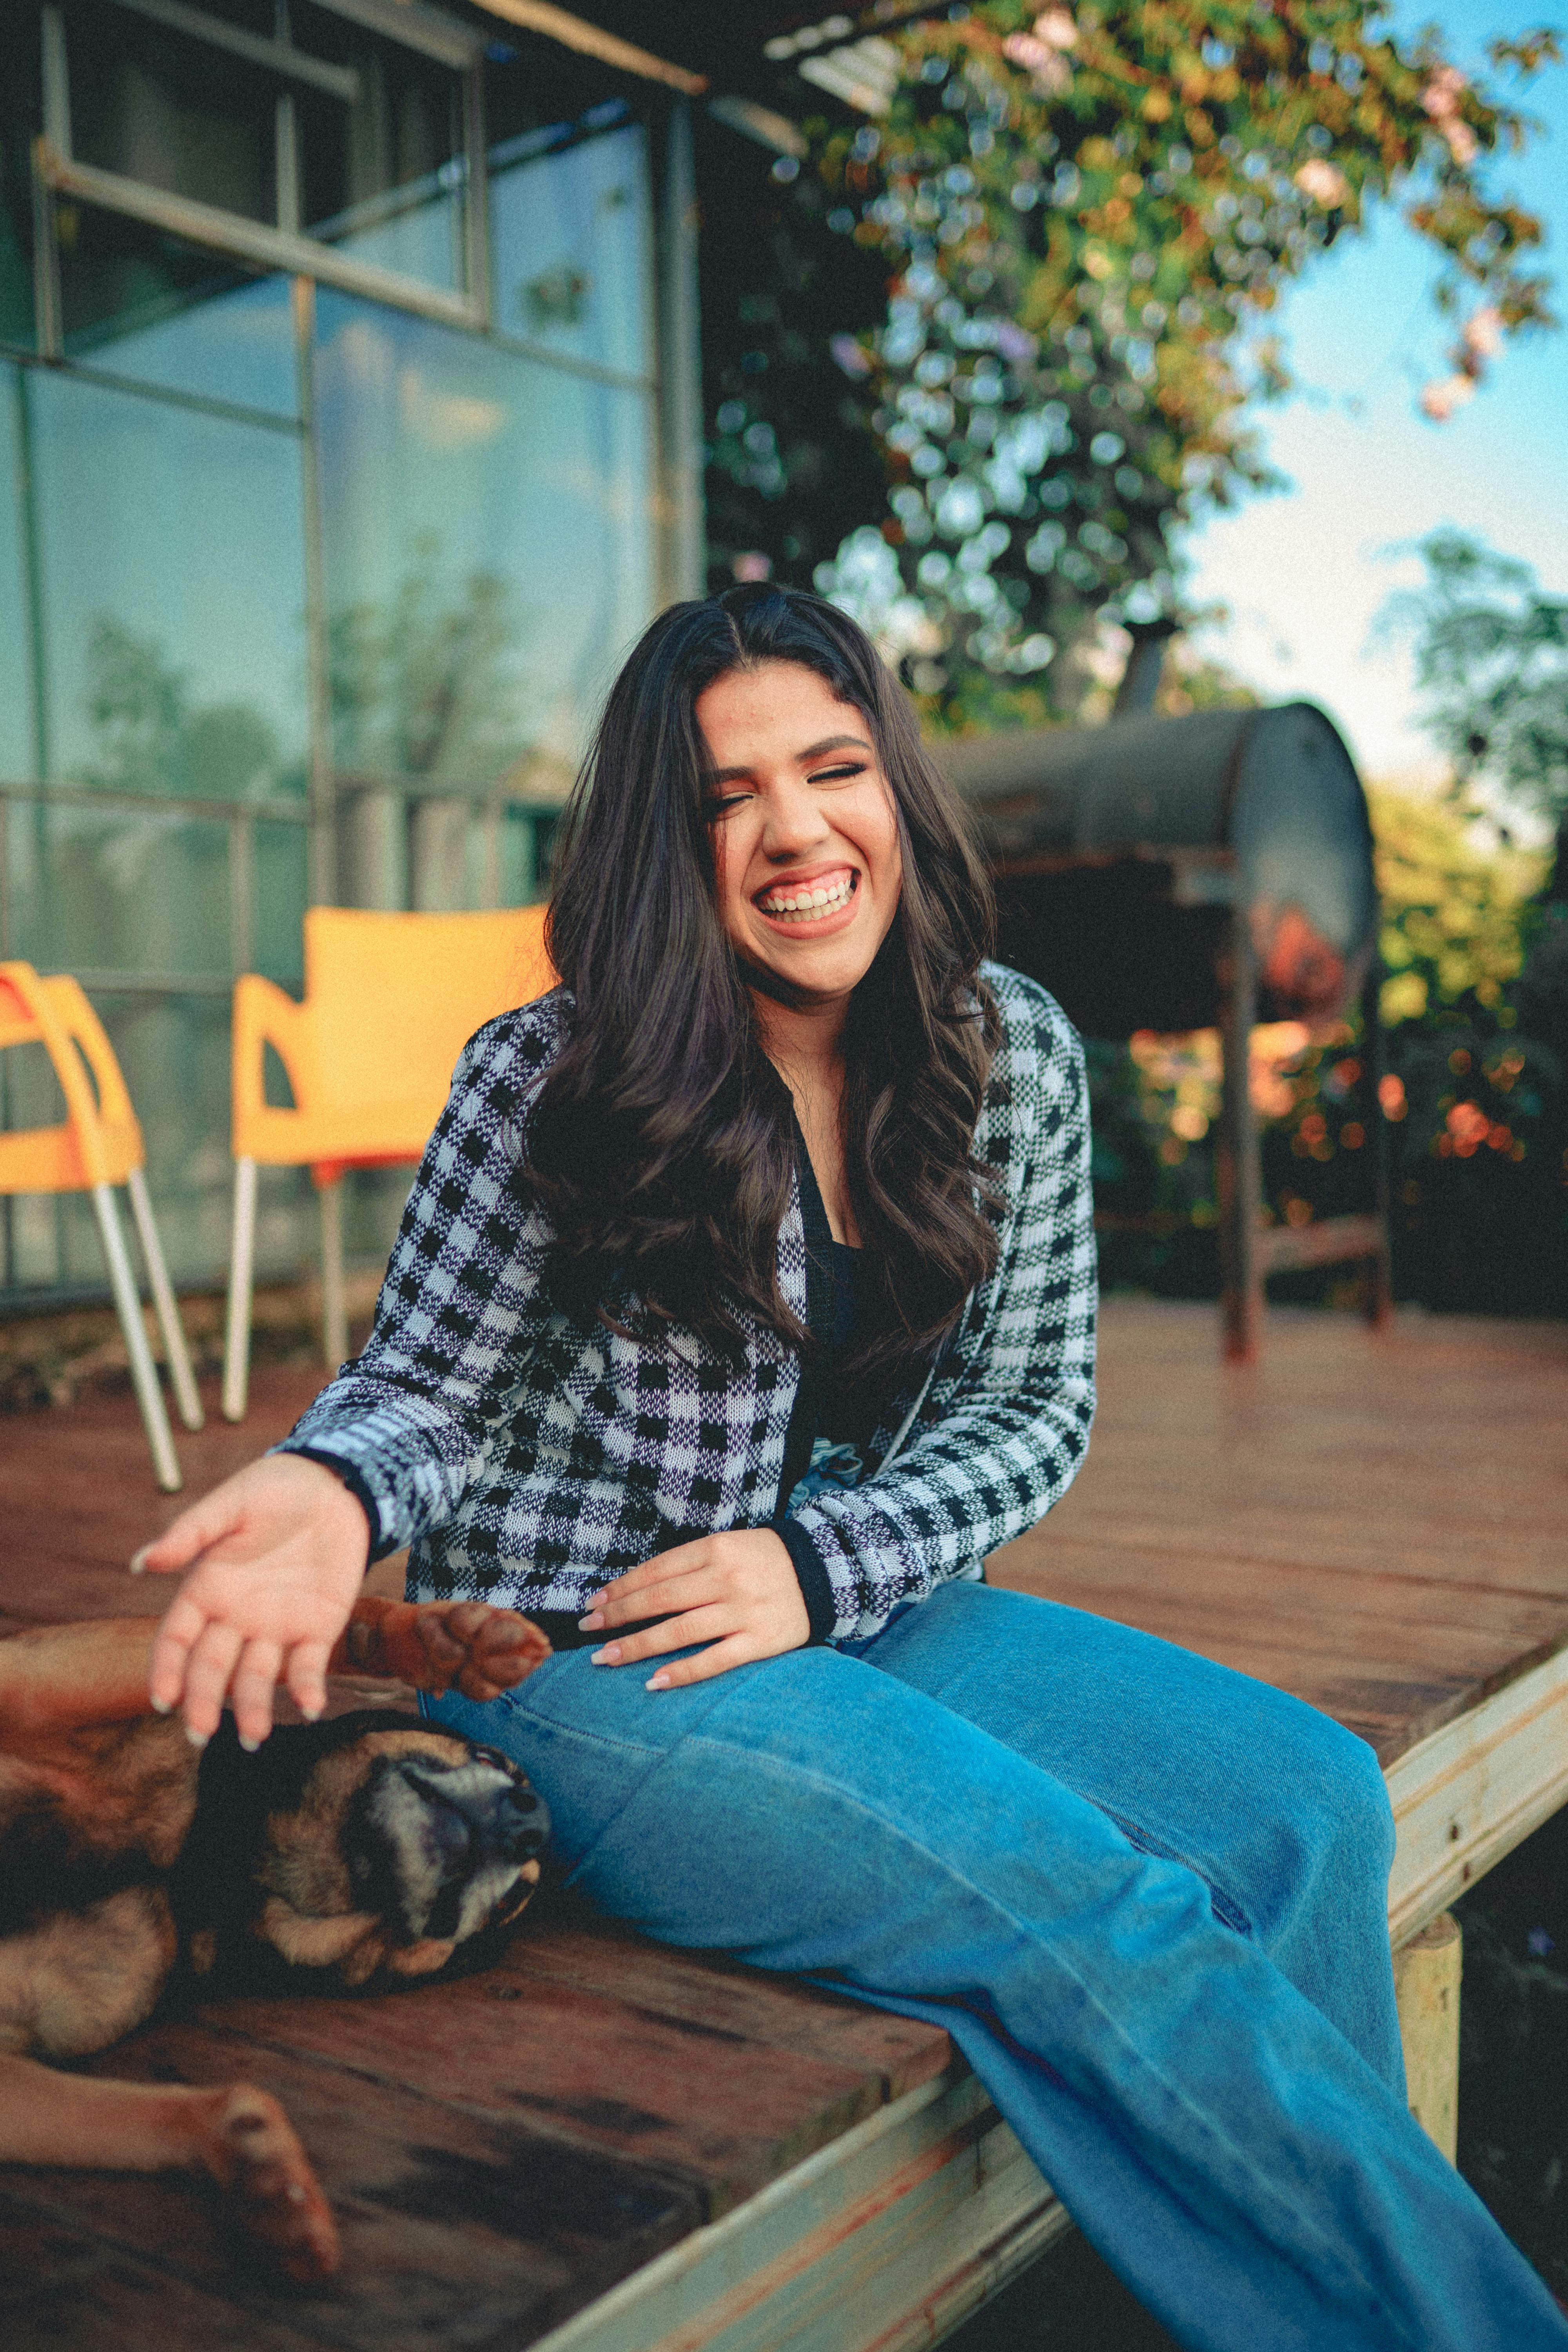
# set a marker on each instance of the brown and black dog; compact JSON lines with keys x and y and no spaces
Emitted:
{"x":366,"y":1850}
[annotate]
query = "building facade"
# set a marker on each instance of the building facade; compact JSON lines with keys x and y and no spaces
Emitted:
{"x":349,"y":433}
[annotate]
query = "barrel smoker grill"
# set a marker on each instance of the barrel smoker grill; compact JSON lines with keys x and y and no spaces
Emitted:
{"x":1174,"y":873}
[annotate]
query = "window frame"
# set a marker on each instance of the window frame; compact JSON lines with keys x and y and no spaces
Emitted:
{"x":282,"y":246}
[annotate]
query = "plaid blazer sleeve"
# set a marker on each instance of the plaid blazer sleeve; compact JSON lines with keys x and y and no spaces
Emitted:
{"x":1006,"y":1420}
{"x":405,"y":1426}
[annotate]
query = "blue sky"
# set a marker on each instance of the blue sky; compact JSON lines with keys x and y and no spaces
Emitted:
{"x":1303,"y":572}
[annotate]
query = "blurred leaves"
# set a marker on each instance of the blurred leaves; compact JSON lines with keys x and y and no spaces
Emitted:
{"x":1491,"y":668}
{"x":1082,"y":222}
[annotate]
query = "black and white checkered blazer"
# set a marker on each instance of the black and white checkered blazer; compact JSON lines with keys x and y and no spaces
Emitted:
{"x":527,"y":1458}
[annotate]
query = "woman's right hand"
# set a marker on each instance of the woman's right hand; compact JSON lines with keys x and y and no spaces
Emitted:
{"x":275,"y":1556}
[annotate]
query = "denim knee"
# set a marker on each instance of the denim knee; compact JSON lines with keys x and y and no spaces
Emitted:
{"x":1337,"y":1798}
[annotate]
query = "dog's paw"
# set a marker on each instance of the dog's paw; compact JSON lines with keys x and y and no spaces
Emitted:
{"x":274,"y":2196}
{"x":484,"y":1650}
{"x":438,"y":1645}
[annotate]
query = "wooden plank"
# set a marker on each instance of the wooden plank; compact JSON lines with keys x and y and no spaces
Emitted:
{"x":715,"y":2001}
{"x":1285,"y":1249}
{"x":880,"y":2244}
{"x":463,"y":2229}
{"x":61,"y":2286}
{"x":594,"y":2073}
{"x":1474,"y":1789}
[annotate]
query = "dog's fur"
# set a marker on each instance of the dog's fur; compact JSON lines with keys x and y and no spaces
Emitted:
{"x":366,"y":1850}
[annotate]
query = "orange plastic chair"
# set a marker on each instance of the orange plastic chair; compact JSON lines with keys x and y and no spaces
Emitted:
{"x":96,"y":1147}
{"x":390,"y":1003}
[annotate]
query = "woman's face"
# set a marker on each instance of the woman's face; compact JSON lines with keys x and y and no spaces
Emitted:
{"x":805,"y":842}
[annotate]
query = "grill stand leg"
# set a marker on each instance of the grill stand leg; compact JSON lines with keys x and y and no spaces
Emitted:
{"x":1238,"y":1167}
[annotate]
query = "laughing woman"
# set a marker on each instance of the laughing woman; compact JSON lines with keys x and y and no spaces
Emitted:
{"x":743,"y":1303}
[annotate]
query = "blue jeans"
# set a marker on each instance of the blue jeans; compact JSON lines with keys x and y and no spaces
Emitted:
{"x":1145,"y":1894}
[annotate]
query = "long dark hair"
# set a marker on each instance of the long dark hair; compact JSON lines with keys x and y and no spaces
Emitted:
{"x":663,"y":1144}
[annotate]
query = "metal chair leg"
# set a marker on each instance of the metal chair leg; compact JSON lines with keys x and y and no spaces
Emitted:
{"x":334,"y":1300}
{"x":144,"y":1372}
{"x":181,"y":1378}
{"x":241,"y":1279}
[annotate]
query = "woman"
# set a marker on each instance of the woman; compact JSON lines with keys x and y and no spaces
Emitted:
{"x":745,"y":1302}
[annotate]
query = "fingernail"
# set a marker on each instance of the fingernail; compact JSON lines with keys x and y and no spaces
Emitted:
{"x":196,"y":1738}
{"x":161,"y":1706}
{"x":138,"y":1559}
{"x":591,"y":1622}
{"x":249,"y":1744}
{"x":656,"y":1681}
{"x":312,"y":1714}
{"x":610,"y":1655}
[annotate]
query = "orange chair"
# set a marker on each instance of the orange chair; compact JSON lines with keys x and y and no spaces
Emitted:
{"x":96,"y":1147}
{"x":390,"y":1001}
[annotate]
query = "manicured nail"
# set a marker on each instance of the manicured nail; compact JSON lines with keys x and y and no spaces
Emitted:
{"x":161,"y":1706}
{"x":196,"y":1738}
{"x":610,"y":1655}
{"x":249,"y":1744}
{"x":656,"y":1681}
{"x":138,"y":1559}
{"x":591,"y":1622}
{"x":314,"y":1712}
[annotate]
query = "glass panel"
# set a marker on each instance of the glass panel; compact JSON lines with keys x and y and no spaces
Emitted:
{"x":172,"y":565}
{"x":571,"y":239}
{"x":144,"y":304}
{"x":488,"y":549}
{"x":383,"y":178}
{"x":282,"y":890}
{"x":108,"y":888}
{"x":158,"y":107}
{"x":15,"y":690}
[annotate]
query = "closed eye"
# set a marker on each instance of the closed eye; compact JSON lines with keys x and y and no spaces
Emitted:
{"x":713,"y":809}
{"x":838,"y":775}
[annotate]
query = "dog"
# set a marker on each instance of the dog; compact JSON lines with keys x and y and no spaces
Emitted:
{"x":365,"y":1851}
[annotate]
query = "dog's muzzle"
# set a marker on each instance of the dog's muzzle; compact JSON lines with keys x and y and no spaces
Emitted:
{"x":442,"y":1848}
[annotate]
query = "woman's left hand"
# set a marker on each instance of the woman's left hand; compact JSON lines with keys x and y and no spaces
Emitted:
{"x":737,"y":1591}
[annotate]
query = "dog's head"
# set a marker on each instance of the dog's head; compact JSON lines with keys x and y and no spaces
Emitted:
{"x":372,"y":1846}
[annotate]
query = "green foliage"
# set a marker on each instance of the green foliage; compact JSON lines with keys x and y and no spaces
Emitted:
{"x":1455,"y":911}
{"x":1087,"y":219}
{"x":1491,"y":665}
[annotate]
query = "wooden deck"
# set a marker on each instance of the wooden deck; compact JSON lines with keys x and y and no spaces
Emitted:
{"x":600,"y":2147}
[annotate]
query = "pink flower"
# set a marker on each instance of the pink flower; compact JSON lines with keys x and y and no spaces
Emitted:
{"x":1050,"y":72}
{"x":1055,"y":27}
{"x":1324,"y":183}
{"x":1482,"y":333}
{"x":1438,"y":400}
{"x":1441,"y":96}
{"x":1463,"y":144}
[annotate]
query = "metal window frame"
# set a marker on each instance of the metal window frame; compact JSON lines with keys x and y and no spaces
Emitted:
{"x":277,"y":57}
{"x":284,"y":247}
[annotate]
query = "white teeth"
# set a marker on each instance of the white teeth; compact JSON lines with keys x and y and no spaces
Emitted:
{"x":808,"y":905}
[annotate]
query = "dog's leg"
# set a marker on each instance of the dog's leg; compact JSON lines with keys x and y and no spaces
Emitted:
{"x":238,"y":2134}
{"x":59,"y":1679}
{"x":438,"y":1644}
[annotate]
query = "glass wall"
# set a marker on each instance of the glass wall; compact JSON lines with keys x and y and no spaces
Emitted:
{"x":299,"y":585}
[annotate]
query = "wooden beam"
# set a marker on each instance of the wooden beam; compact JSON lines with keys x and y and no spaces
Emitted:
{"x":590,"y":41}
{"x":883,"y":2242}
{"x":1427,"y":1987}
{"x":1475,"y":1789}
{"x":1285,"y":1249}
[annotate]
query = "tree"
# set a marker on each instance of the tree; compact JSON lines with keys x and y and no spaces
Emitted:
{"x":1491,"y":666}
{"x":1085,"y":220}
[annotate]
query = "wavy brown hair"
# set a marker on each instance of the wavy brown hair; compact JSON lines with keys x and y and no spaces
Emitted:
{"x":663,"y":1145}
